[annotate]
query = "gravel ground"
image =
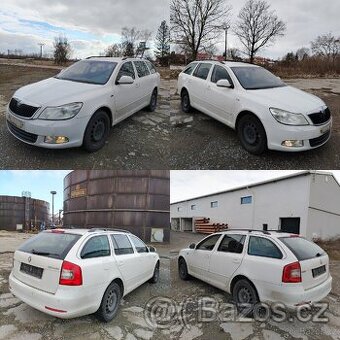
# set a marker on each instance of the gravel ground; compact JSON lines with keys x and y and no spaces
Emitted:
{"x":139,"y":142}
{"x":200,"y":142}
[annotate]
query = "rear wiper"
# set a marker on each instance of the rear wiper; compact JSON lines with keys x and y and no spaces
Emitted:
{"x":45,"y":253}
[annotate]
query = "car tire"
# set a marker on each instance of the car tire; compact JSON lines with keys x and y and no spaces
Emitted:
{"x":155,"y":276}
{"x":183,"y":270}
{"x":245,"y":296}
{"x":252,"y":134}
{"x":153,"y":101}
{"x":185,"y":101}
{"x":110,"y":302}
{"x":97,"y":131}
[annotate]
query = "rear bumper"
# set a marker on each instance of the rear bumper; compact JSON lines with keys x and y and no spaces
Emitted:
{"x":70,"y":300}
{"x":294,"y":295}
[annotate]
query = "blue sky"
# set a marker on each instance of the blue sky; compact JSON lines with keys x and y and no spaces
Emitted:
{"x":38,"y":182}
{"x":90,"y":26}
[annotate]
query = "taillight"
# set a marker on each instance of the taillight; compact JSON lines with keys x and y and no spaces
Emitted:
{"x":70,"y":274}
{"x":291,"y":273}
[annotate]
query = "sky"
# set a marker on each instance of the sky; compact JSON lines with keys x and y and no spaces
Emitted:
{"x":305,"y":20}
{"x":38,"y":182}
{"x":185,"y":184}
{"x":89,"y":25}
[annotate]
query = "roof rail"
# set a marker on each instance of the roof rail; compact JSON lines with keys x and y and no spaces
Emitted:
{"x":196,"y":61}
{"x":266,"y":232}
{"x":109,"y":229}
{"x":97,"y":56}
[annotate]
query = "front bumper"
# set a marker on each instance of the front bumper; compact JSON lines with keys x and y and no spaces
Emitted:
{"x":68,"y":299}
{"x":312,"y":136}
{"x":33,"y":131}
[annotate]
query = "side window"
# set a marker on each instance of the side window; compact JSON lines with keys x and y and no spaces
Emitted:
{"x":190,"y":68}
{"x":232,"y":244}
{"x":219,"y":73}
{"x":96,"y":246}
{"x":126,"y":70}
{"x":121,"y":244}
{"x":202,"y":71}
{"x":260,"y":246}
{"x":142,"y":69}
{"x":139,"y":244}
{"x":151,"y":66}
{"x":208,"y":243}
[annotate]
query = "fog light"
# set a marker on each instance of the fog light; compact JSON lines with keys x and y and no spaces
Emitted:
{"x":292,"y":143}
{"x":56,"y":140}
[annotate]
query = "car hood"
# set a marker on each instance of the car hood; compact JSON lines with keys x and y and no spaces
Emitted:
{"x":54,"y":92}
{"x":287,"y":98}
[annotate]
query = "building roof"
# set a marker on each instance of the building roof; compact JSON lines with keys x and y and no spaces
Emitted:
{"x":278,"y":179}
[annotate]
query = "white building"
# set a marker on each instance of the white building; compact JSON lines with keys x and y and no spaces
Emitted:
{"x":307,"y":203}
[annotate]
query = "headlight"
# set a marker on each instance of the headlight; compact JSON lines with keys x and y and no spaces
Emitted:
{"x":63,"y":112}
{"x":288,"y":118}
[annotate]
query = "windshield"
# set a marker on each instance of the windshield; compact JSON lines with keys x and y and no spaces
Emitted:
{"x":301,"y":248}
{"x":89,"y":71}
{"x":50,"y":244}
{"x":256,"y":78}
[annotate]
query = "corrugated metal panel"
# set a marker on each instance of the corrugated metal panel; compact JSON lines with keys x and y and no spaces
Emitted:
{"x":12,"y":212}
{"x":137,"y":200}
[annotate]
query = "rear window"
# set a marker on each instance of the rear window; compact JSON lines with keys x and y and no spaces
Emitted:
{"x":260,"y":246}
{"x":190,"y":68}
{"x":142,"y":69}
{"x":50,"y":244}
{"x":151,"y":67}
{"x":202,"y":71}
{"x":121,"y":244}
{"x":301,"y":248}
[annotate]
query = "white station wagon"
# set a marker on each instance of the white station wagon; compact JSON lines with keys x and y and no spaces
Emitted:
{"x":264,"y":111}
{"x":260,"y":266}
{"x":79,"y":105}
{"x":73,"y":272}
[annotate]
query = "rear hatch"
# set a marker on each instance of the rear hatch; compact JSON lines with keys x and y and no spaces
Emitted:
{"x":38,"y":261}
{"x":313,"y":260}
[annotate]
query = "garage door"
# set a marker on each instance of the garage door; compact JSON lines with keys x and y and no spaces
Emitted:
{"x":290,"y":224}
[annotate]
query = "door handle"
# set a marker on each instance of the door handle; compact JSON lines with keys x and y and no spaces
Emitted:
{"x":137,"y":85}
{"x":120,"y":263}
{"x":236,"y":260}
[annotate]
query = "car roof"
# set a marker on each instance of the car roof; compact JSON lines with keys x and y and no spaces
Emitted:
{"x":114,"y":59}
{"x":90,"y":230}
{"x":226,"y":63}
{"x":272,"y":233}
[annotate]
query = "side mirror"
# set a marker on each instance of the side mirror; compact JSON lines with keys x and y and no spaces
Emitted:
{"x":224,"y":83}
{"x":152,"y":249}
{"x":192,"y":246}
{"x":125,"y":80}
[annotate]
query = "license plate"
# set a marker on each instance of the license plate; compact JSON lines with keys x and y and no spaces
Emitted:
{"x":318,"y":271}
{"x":325,"y":129}
{"x":31,"y":270}
{"x":18,"y":123}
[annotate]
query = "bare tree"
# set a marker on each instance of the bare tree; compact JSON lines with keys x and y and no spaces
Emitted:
{"x":62,"y":50}
{"x":195,"y":23}
{"x":302,"y":53}
{"x":163,"y":43}
{"x":130,"y":36}
{"x":327,"y":46}
{"x":114,"y":50}
{"x":257,"y":26}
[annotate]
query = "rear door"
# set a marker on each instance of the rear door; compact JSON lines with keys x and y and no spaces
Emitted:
{"x":226,"y":259}
{"x":313,"y":260}
{"x":38,"y":261}
{"x":146,"y":82}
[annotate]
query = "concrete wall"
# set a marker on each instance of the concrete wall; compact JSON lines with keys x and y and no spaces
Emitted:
{"x":324,"y":207}
{"x":286,"y":198}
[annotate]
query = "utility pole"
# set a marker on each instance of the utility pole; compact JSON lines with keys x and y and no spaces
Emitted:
{"x":225,"y":27}
{"x":41,"y":49}
{"x":53,"y":193}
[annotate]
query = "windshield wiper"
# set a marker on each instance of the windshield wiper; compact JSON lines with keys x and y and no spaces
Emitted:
{"x":45,"y":253}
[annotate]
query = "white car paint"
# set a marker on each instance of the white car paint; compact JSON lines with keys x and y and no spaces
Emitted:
{"x":66,"y":301}
{"x":121,"y":100}
{"x":222,"y":269}
{"x":226,"y":105}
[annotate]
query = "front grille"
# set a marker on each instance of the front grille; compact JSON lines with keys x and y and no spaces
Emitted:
{"x":21,"y":134}
{"x":20,"y":109}
{"x":320,"y":117}
{"x":319,"y":140}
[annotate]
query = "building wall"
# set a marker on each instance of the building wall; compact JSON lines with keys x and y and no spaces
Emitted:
{"x":324,"y":207}
{"x":286,"y":198}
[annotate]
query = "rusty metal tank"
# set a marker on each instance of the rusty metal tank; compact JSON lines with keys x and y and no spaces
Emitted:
{"x":134,"y":200}
{"x":25,"y":213}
